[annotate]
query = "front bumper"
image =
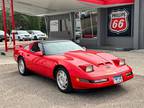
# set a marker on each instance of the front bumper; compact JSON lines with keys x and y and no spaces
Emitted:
{"x":78,"y":84}
{"x":26,"y":38}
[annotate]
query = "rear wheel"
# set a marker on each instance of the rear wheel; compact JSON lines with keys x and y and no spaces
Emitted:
{"x":35,"y":38}
{"x":22,"y":67}
{"x":63,"y":80}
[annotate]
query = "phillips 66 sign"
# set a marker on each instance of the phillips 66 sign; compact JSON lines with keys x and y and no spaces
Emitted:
{"x":119,"y":23}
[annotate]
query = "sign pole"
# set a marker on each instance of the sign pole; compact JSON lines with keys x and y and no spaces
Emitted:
{"x":13,"y":23}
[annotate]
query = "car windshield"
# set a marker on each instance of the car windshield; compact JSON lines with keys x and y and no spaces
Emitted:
{"x":1,"y":32}
{"x":22,"y":32}
{"x":37,"y":32}
{"x":78,"y":30}
{"x":52,"y":48}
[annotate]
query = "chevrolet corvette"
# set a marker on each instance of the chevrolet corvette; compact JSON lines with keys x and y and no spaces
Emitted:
{"x":71,"y":66}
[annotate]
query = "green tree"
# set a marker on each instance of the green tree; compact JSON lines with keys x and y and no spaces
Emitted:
{"x":24,"y":22}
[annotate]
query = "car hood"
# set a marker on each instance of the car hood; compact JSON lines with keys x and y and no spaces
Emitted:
{"x":91,"y":57}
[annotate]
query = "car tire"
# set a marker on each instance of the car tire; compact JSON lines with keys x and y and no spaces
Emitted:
{"x":19,"y":39}
{"x":63,"y":80}
{"x":11,"y":39}
{"x":35,"y":38}
{"x":22,"y":67}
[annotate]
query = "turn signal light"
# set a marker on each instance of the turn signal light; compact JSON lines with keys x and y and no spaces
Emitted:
{"x":129,"y":74}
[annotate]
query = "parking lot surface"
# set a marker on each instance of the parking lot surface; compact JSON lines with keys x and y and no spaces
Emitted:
{"x":38,"y":92}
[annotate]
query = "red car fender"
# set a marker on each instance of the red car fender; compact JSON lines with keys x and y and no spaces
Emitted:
{"x":73,"y":70}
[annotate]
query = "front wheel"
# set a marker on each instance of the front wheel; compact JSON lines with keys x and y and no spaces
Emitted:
{"x":63,"y":80}
{"x":19,"y":39}
{"x":35,"y":38}
{"x":22,"y":67}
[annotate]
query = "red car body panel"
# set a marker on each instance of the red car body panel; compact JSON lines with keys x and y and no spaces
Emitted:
{"x":103,"y":63}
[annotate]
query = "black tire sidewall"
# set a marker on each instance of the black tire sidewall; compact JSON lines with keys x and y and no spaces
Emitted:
{"x":69,"y":87}
{"x":19,"y":39}
{"x":35,"y":38}
{"x":25,"y":69}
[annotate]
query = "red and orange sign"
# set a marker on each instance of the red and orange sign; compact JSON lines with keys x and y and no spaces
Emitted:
{"x":118,"y":21}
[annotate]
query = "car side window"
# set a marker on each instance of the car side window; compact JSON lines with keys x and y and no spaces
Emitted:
{"x":26,"y":47}
{"x":36,"y":47}
{"x":16,"y":33}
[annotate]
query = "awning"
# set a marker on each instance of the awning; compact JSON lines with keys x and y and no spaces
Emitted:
{"x":53,"y":7}
{"x":109,"y":2}
{"x":48,"y":7}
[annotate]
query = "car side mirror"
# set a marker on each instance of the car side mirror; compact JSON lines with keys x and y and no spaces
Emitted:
{"x":20,"y":46}
{"x":39,"y":53}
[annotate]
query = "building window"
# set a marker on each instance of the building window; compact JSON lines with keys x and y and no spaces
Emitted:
{"x":86,"y":24}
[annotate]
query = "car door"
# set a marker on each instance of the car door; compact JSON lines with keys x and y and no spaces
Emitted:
{"x":42,"y":65}
{"x":33,"y":60}
{"x":38,"y":63}
{"x":27,"y":56}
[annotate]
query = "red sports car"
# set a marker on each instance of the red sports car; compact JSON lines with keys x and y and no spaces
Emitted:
{"x":72,"y":66}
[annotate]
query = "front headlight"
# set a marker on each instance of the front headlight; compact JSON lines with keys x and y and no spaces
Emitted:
{"x":87,"y":68}
{"x":122,"y":62}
